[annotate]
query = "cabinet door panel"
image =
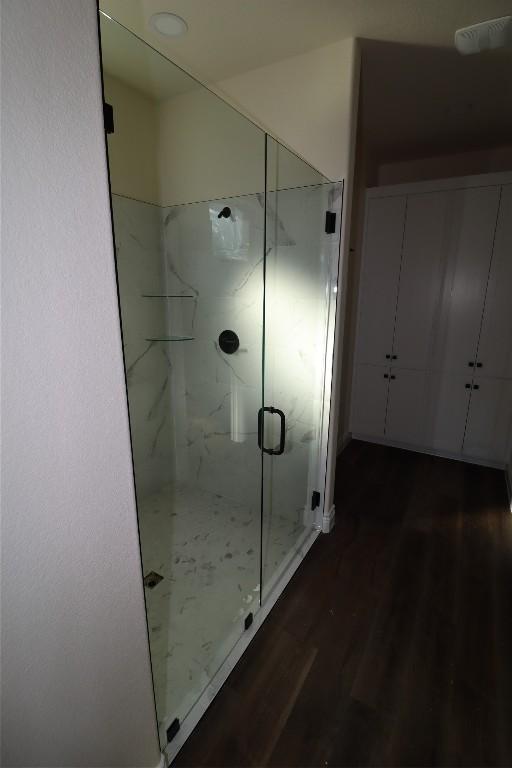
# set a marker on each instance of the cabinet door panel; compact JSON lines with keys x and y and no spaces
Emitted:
{"x":474,"y":213}
{"x":407,"y":405}
{"x":379,"y":278}
{"x":426,"y":242}
{"x":369,"y":400}
{"x":448,"y":402}
{"x":495,"y":347}
{"x":489,"y":426}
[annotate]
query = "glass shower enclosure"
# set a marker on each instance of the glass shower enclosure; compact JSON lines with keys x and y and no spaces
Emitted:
{"x":227,"y":250}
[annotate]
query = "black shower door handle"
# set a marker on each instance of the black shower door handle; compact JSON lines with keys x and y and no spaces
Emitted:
{"x":272,"y":451}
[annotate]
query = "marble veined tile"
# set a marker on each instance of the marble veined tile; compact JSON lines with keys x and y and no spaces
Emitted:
{"x":207,"y":548}
{"x":185,"y":272}
{"x":148,"y":368}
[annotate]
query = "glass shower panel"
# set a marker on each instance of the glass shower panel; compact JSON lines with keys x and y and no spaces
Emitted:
{"x":300,"y":296}
{"x":187,"y":179}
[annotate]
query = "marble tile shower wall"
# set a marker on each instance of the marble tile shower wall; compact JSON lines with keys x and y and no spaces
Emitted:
{"x":218,"y":264}
{"x":138,"y":236}
{"x":193,"y":409}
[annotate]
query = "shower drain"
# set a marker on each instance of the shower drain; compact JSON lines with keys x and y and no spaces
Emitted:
{"x":152,"y":579}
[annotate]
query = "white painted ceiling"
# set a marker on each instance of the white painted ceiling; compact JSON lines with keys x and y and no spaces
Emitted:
{"x":227,"y":37}
{"x":129,"y":59}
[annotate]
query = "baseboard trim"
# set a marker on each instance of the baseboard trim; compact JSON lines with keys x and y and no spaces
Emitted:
{"x":345,"y":440}
{"x":212,"y":689}
{"x":328,"y":520}
{"x":428,"y":451}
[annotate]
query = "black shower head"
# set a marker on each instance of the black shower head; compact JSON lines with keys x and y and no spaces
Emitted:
{"x":225,"y":213}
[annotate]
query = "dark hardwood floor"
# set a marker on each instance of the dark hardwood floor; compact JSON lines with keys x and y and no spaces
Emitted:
{"x":392,"y":644}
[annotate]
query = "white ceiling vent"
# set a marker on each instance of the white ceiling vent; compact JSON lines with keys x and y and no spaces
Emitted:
{"x":496,"y":33}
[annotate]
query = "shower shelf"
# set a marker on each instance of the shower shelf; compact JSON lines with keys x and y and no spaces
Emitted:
{"x":171,"y":338}
{"x":167,"y":296}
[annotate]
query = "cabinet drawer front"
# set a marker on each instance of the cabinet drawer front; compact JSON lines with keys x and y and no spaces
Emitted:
{"x":407,"y":406}
{"x":489,"y":426}
{"x":448,"y":402}
{"x":369,"y":399}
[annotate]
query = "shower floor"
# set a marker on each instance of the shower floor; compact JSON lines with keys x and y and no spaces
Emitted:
{"x":207,"y":549}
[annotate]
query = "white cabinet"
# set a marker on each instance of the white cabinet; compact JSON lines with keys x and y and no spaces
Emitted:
{"x":449,"y":395}
{"x":379,"y":281}
{"x":489,"y":422}
{"x":473,"y":214}
{"x":426,"y":244}
{"x":370,"y":394}
{"x":428,"y":409}
{"x":407,"y":406}
{"x":495,"y":347}
{"x":434,"y":342}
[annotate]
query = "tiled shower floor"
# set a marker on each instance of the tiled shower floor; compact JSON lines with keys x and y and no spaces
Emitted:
{"x":207,"y":548}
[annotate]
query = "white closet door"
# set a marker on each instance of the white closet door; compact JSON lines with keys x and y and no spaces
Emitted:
{"x":489,"y":426}
{"x":426,"y":241}
{"x":407,"y":406}
{"x":495,"y":348}
{"x":369,"y":399}
{"x":447,"y":410}
{"x":379,"y":279}
{"x":473,"y":213}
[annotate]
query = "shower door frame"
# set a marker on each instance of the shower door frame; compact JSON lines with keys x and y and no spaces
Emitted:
{"x":323,"y":518}
{"x":323,"y":471}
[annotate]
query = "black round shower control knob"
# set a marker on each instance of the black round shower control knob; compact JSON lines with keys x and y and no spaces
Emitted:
{"x":229,"y":342}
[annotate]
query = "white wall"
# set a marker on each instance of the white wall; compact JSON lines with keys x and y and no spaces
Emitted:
{"x":133,"y":147}
{"x":207,"y":150}
{"x":76,"y":684}
{"x":191,"y":148}
{"x":305,"y":101}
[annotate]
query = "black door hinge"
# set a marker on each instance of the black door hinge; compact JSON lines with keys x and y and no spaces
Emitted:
{"x":151,"y":579}
{"x":173,"y":729}
{"x":108,"y":117}
{"x":315,"y":499}
{"x":330,"y":222}
{"x":248,"y":621}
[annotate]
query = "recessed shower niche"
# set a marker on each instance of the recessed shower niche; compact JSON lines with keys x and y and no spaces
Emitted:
{"x":227,"y":265}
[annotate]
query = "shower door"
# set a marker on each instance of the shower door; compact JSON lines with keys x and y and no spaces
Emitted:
{"x":187,"y":177}
{"x":226,"y":280}
{"x":303,"y":212}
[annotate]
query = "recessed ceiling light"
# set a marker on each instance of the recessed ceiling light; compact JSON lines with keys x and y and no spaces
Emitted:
{"x":169,"y":24}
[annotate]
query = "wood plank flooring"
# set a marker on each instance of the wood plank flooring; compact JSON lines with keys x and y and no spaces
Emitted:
{"x":392,"y":644}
